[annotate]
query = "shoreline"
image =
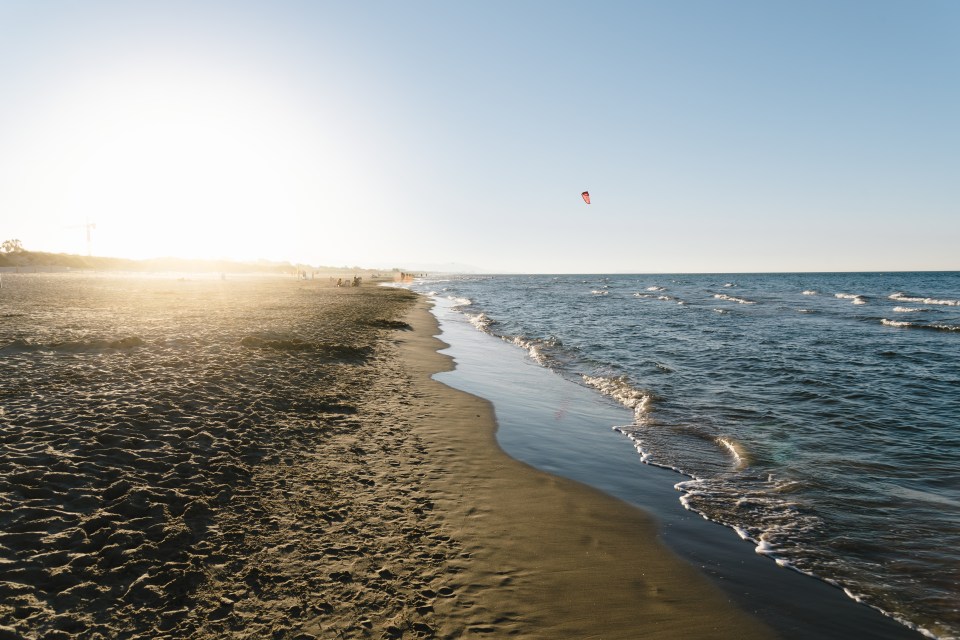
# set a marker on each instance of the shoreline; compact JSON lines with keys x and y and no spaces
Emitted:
{"x":271,"y":458}
{"x":564,"y":429}
{"x":251,"y":458}
{"x":550,"y":557}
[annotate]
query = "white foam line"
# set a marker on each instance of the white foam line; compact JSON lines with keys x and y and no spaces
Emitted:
{"x":901,"y":297}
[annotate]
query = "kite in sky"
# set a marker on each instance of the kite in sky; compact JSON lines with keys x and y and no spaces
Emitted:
{"x":586,"y":196}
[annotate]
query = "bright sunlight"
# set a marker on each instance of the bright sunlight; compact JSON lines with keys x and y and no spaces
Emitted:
{"x":193,"y":164}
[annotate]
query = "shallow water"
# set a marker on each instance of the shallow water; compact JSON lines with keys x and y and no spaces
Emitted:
{"x":815,"y":414}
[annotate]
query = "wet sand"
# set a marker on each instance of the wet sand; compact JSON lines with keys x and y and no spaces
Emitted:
{"x":269,"y":458}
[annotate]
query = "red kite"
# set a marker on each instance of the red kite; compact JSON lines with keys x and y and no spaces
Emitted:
{"x":586,"y":196}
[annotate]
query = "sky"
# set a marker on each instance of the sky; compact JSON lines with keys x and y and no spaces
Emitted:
{"x":738,"y":136}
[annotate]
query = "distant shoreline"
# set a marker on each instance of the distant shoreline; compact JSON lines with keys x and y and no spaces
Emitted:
{"x":41,"y":261}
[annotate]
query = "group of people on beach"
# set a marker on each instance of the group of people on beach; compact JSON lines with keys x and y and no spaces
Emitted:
{"x":347,"y":283}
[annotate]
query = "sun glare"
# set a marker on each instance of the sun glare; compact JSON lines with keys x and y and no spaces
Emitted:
{"x":175,"y":164}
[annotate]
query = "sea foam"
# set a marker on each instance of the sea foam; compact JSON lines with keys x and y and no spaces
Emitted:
{"x":723,"y":296}
{"x":902,"y":297}
{"x":620,"y":389}
{"x":918,"y":325}
{"x":856,"y":298}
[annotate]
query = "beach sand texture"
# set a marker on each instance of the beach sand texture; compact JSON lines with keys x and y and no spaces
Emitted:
{"x":269,"y":458}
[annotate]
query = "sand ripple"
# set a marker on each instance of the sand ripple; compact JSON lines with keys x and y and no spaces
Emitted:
{"x":209,"y":459}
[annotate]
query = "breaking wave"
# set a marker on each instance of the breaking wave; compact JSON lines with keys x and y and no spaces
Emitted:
{"x":856,"y":298}
{"x":952,"y":328}
{"x":482,"y":321}
{"x":546,"y":353}
{"x":902,"y":297}
{"x":620,"y":389}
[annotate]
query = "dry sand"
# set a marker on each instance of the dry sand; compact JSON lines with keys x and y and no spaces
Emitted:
{"x":270,"y":459}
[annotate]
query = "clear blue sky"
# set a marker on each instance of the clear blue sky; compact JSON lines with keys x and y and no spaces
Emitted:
{"x":713,"y":136}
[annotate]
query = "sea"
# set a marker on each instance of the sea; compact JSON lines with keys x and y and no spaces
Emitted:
{"x":814,"y":415}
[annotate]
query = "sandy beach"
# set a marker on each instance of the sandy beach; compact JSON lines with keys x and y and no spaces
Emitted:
{"x":269,"y":458}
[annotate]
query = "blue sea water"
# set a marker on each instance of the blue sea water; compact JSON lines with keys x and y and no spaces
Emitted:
{"x":816,"y":415}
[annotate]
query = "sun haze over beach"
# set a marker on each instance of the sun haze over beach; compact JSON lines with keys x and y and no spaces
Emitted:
{"x":650,"y":328}
{"x":743,"y":136}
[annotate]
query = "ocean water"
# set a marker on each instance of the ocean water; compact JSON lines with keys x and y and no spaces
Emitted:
{"x":815,"y":415}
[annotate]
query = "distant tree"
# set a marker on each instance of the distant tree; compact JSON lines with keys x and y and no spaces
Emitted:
{"x":11,"y":246}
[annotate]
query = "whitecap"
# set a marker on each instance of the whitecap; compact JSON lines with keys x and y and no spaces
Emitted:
{"x":723,"y":296}
{"x":902,"y":297}
{"x":481,"y":321}
{"x":619,"y":389}
{"x":856,"y":298}
{"x":952,"y":328}
{"x":532,"y":347}
{"x":736,"y":450}
{"x":764,"y":548}
{"x":744,"y":535}
{"x":852,"y":595}
{"x":895,"y":323}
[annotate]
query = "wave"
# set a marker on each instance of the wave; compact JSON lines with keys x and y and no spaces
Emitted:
{"x":600,"y":292}
{"x":620,"y":389}
{"x":540,"y":350}
{"x":902,"y":297}
{"x":665,"y":298}
{"x":952,"y":328}
{"x":736,"y":450}
{"x":532,"y":348}
{"x":723,"y":296}
{"x":645,"y":454}
{"x":461,"y":302}
{"x":777,"y":516}
{"x":481,"y":321}
{"x":856,"y":298}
